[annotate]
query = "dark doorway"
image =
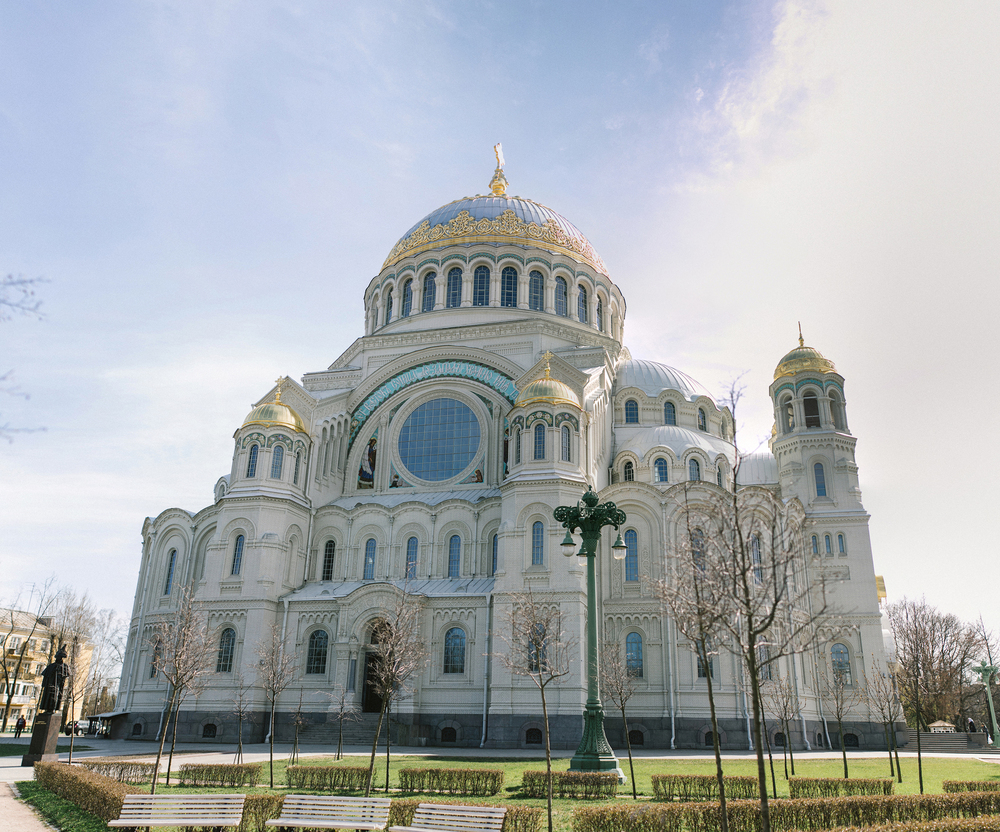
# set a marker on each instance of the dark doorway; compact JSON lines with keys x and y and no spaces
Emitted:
{"x":371,"y":702}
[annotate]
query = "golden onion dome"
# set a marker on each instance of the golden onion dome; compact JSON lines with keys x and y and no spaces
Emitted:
{"x":803,"y":359}
{"x":547,"y":390}
{"x":275,"y":413}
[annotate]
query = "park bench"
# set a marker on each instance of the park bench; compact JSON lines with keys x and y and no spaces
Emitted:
{"x":442,"y":817}
{"x":215,"y":810}
{"x":322,"y":811}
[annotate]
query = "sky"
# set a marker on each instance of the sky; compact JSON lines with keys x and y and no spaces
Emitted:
{"x":207,"y":189}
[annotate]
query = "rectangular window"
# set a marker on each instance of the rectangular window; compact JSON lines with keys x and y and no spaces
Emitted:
{"x":352,"y":671}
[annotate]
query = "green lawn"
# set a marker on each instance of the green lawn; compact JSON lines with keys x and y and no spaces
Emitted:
{"x":59,"y":812}
{"x":18,"y":749}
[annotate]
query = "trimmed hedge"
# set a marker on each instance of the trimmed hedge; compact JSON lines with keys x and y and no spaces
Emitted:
{"x":478,"y":782}
{"x":989,"y":823}
{"x":222,"y":774}
{"x":329,"y":778}
{"x":121,"y":769}
{"x":258,"y":810}
{"x":95,"y":793}
{"x":787,"y":815}
{"x":588,"y":785}
{"x":517,"y":819}
{"x":688,"y":787}
{"x":953,"y":786}
{"x":837,"y":786}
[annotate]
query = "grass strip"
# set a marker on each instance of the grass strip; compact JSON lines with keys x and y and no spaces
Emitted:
{"x":59,"y":812}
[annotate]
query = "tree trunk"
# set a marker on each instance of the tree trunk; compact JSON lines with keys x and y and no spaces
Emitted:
{"x":765,"y":810}
{"x":788,"y":745}
{"x":173,"y":739}
{"x":340,"y":736}
{"x":770,"y":760}
{"x":628,"y":745}
{"x":723,"y":811}
{"x":163,"y":738}
{"x":388,"y":742}
{"x":843,"y":748}
{"x":888,"y":747}
{"x":270,"y":734}
{"x":239,"y":738}
{"x":548,"y":757}
{"x":371,"y":765}
{"x":899,"y":769}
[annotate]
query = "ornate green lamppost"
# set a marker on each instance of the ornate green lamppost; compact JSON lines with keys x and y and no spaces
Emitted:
{"x":594,"y":753}
{"x":985,"y":672}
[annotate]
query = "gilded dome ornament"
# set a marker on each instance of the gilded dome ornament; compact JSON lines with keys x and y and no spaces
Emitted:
{"x":547,"y":390}
{"x":276,"y":412}
{"x":498,"y":184}
{"x":803,"y":359}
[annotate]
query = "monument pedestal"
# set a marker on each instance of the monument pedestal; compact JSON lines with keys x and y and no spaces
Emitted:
{"x":44,"y":736}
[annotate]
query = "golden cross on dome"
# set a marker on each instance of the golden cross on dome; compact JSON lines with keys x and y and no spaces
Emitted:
{"x":802,"y":342}
{"x":548,"y":356}
{"x":277,"y":393}
{"x":498,"y":184}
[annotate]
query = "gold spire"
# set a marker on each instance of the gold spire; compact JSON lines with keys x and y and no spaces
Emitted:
{"x":498,"y":184}
{"x":548,"y":356}
{"x":802,"y":341}
{"x":277,"y":392}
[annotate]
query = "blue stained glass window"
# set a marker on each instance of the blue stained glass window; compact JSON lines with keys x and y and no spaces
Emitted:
{"x":662,"y":470}
{"x":295,"y":474}
{"x":316,"y":656}
{"x":561,"y":302}
{"x":828,"y":544}
{"x":517,"y":448}
{"x":702,"y":421}
{"x":840,"y":544}
{"x":539,"y":441}
{"x":496,"y":544}
{"x":370,"y":559}
{"x":581,"y":305}
{"x":171,"y":562}
{"x":536,"y":291}
{"x":669,"y":413}
{"x":237,"y":556}
{"x":481,"y":286}
{"x":631,"y":555}
{"x":227,"y":643}
{"x":508,"y":287}
{"x":388,"y":308}
{"x":815,"y":545}
{"x":600,"y":315}
{"x":694,"y":469}
{"x":328,"y":552}
{"x":430,"y":292}
{"x":439,"y":439}
{"x":252,"y":463}
{"x":538,"y":544}
{"x":277,"y":461}
{"x":633,"y":655}
{"x":631,"y":412}
{"x":411,"y":557}
{"x":840,"y":658}
{"x":820,"y":475}
{"x":454,"y":555}
{"x":565,"y":437}
{"x":407,"y":299}
{"x":454,"y":650}
{"x":454,"y":288}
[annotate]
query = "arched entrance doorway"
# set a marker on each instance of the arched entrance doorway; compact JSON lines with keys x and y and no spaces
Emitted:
{"x":371,"y":702}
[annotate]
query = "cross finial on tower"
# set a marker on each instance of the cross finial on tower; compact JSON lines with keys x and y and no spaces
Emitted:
{"x":548,"y":356}
{"x":802,"y":342}
{"x":277,"y":392}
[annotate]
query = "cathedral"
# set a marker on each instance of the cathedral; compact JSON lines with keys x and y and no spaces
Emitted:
{"x":492,"y":384}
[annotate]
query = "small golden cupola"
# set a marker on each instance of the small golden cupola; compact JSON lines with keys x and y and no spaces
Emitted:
{"x":547,"y":390}
{"x":276,"y":413}
{"x":803,"y":359}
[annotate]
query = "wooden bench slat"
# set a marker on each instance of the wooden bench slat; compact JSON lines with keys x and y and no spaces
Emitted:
{"x":437,"y":817}
{"x":181,"y":810}
{"x":332,"y":812}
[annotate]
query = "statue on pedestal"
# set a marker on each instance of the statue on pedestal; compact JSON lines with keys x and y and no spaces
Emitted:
{"x":53,"y":681}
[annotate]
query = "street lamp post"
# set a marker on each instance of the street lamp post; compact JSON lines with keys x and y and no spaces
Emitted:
{"x":589,"y":517}
{"x":986,"y":672}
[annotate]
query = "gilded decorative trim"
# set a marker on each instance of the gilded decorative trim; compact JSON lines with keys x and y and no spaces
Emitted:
{"x":507,"y":228}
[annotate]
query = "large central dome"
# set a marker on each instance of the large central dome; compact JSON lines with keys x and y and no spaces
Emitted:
{"x":504,"y":220}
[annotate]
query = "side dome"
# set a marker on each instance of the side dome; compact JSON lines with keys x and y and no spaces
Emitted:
{"x":653,"y":378}
{"x":802,"y":359}
{"x":501,"y":220}
{"x":547,"y":390}
{"x":275,"y":413}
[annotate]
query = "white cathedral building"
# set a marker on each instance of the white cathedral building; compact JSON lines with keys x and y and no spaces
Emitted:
{"x":491,"y":385}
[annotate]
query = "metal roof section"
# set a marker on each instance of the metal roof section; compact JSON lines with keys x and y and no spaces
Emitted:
{"x":758,"y":469}
{"x":398,"y":496}
{"x":641,"y":440}
{"x":491,"y":207}
{"x":653,"y":378}
{"x":430,"y":588}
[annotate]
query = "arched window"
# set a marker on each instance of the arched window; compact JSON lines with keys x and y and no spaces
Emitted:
{"x":537,"y":544}
{"x":631,"y":412}
{"x":837,"y":411}
{"x":815,"y":545}
{"x":810,"y":407}
{"x":508,"y":287}
{"x":295,"y":473}
{"x":600,"y":316}
{"x":539,"y":440}
{"x":561,"y":304}
{"x":636,"y":737}
{"x":319,"y":641}
{"x":388,"y":307}
{"x":237,"y":555}
{"x":407,"y":306}
{"x":430,"y":292}
{"x":277,"y":462}
{"x":370,"y":559}
{"x":517,"y":446}
{"x":581,"y":305}
{"x":493,"y":564}
{"x":628,"y":472}
{"x":171,"y":563}
{"x":252,"y":462}
{"x":227,"y":644}
{"x":719,"y":477}
{"x":787,"y":415}
{"x":154,"y":662}
{"x":137,"y":729}
{"x":698,"y":549}
{"x":694,"y":470}
{"x":702,"y":420}
{"x":329,"y":550}
{"x":454,"y":650}
{"x":411,"y":557}
{"x":209,"y":731}
{"x":779,"y":739}
{"x":633,"y":655}
{"x":536,"y":649}
{"x":840,"y":662}
{"x":723,"y":430}
{"x":758,"y":572}
{"x":454,"y":299}
{"x":631,"y":555}
{"x":536,"y":292}
{"x":764,"y":662}
{"x":706,"y":670}
{"x":709,"y":736}
{"x":533,"y":736}
{"x":827,"y":545}
{"x":820,"y":475}
{"x":851,"y":740}
{"x":669,"y":413}
{"x":841,"y":545}
{"x":662,"y":470}
{"x":481,"y":286}
{"x":454,"y":555}
{"x":564,"y":445}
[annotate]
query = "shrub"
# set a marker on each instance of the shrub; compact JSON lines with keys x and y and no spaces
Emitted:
{"x":122,"y":769}
{"x":95,"y":793}
{"x":329,"y":778}
{"x":686,"y":787}
{"x":985,"y":824}
{"x":837,"y":787}
{"x":258,"y":810}
{"x":222,"y":774}
{"x":952,"y":786}
{"x":587,"y":785}
{"x":478,"y":782}
{"x":517,"y":819}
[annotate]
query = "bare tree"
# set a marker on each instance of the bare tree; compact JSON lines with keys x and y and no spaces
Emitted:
{"x":182,"y":651}
{"x":840,"y":696}
{"x":276,"y":670}
{"x":242,"y":710}
{"x":299,"y":722}
{"x":781,"y":702}
{"x":22,"y":625}
{"x":400,"y":653}
{"x":74,"y":620}
{"x":538,"y":649}
{"x":883,"y":700}
{"x":618,"y":684}
{"x":346,"y":710}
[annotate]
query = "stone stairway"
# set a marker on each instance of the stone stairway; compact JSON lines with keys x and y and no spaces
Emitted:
{"x":949,"y":743}
{"x":356,"y":732}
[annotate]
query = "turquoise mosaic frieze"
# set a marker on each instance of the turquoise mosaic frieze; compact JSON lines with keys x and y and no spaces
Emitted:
{"x":539,"y":414}
{"x":252,"y":437}
{"x":566,"y":417}
{"x":511,"y":257}
{"x":423,"y":263}
{"x":451,"y":257}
